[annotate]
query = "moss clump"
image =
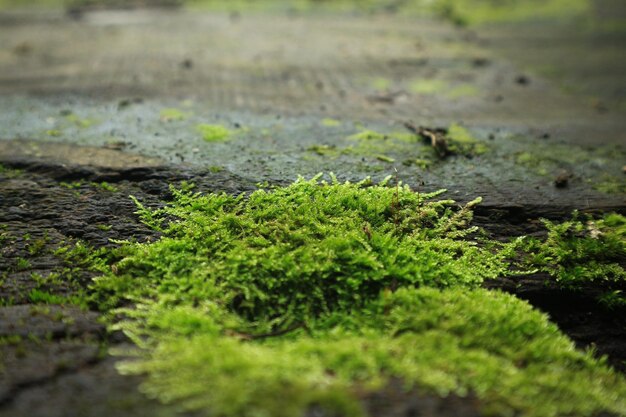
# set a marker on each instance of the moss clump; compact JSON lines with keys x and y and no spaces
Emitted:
{"x":271,"y":303}
{"x":581,"y":252}
{"x":294,"y":253}
{"x":450,"y":341}
{"x":213,"y":133}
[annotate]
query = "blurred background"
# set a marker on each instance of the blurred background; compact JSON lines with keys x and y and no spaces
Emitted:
{"x":579,"y":44}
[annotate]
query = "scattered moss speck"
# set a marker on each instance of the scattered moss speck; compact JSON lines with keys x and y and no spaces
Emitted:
{"x":331,"y":122}
{"x":172,"y":114}
{"x":213,"y":133}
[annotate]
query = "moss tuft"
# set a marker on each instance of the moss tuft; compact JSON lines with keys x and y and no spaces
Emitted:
{"x":320,"y":290}
{"x":580,"y":252}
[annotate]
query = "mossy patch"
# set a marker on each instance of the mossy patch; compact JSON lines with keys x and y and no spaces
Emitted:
{"x":374,"y":147}
{"x":327,"y":122}
{"x":428,"y":86}
{"x":9,"y":172}
{"x":599,"y":166}
{"x":463,"y":90}
{"x":581,"y":252}
{"x":380,"y":83}
{"x":213,"y":133}
{"x":610,"y":184}
{"x":462,"y":142}
{"x":324,"y":150}
{"x":367,"y":134}
{"x":172,"y":115}
{"x":443,"y":88}
{"x":78,"y":121}
{"x":288,"y":298}
{"x":54,"y":133}
{"x":464,"y":12}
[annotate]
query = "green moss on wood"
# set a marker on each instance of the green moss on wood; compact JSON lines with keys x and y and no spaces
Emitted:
{"x":270,"y":303}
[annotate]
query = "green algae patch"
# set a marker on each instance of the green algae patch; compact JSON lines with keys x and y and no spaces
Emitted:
{"x":213,"y":133}
{"x":313,"y":294}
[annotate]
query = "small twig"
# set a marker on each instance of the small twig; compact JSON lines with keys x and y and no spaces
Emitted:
{"x":436,"y":137}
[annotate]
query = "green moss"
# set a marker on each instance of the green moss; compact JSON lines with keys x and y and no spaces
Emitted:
{"x":462,"y":142}
{"x":320,"y":226}
{"x":443,"y":88}
{"x":53,"y":132}
{"x":387,"y":147}
{"x":22,"y":264}
{"x":380,"y":83}
{"x":270,"y":303}
{"x":366,"y":134}
{"x":610,"y":185}
{"x":595,"y":165}
{"x":428,"y":86}
{"x":171,"y":115}
{"x":463,"y":90}
{"x":324,"y":150}
{"x":432,"y":339}
{"x":78,"y":121}
{"x":421,"y":163}
{"x":331,"y":122}
{"x":581,"y":252}
{"x":384,"y":158}
{"x":213,"y":133}
{"x":10,"y":172}
{"x":38,"y":296}
{"x":72,"y":185}
{"x":105,"y":186}
{"x":486,"y":11}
